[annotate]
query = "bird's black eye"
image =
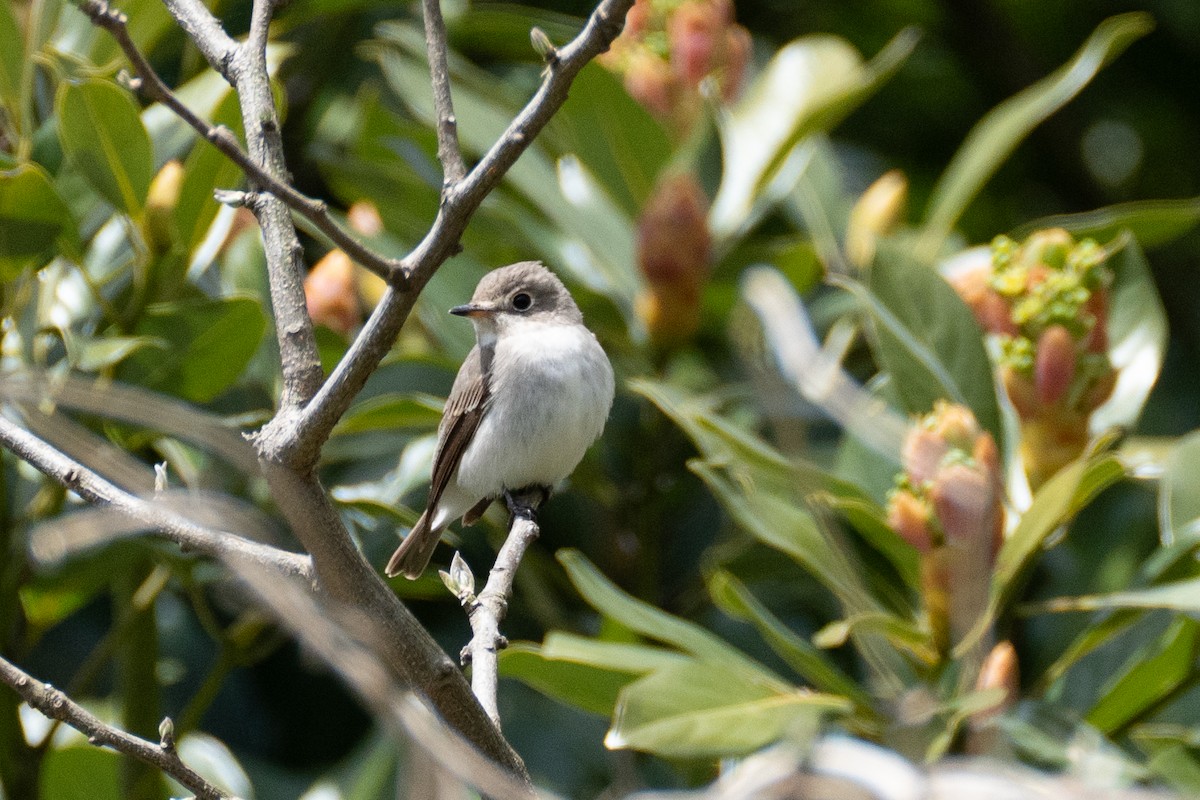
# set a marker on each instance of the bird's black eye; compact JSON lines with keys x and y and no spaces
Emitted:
{"x":522,"y":301}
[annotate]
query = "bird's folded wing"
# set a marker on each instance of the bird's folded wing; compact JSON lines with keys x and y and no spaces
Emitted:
{"x":464,"y":409}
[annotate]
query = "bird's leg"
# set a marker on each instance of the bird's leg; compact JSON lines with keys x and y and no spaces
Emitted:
{"x":524,"y":503}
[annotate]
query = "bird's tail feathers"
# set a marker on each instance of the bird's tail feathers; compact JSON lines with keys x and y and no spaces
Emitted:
{"x":412,"y":556}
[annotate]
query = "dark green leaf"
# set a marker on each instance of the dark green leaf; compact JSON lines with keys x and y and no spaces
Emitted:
{"x":707,"y":709}
{"x":32,"y":218}
{"x":206,"y":169}
{"x":103,"y":136}
{"x":208,"y":345}
{"x":1150,"y":676}
{"x":995,"y":136}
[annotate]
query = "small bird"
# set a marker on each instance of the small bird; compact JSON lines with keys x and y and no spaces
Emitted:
{"x":531,"y":397}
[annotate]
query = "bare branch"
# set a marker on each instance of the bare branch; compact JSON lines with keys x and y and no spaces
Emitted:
{"x":201,"y":26}
{"x":298,"y":440}
{"x":153,"y":87}
{"x":449,"y":153}
{"x":56,"y":705}
{"x":490,"y":607}
{"x":179,"y":529}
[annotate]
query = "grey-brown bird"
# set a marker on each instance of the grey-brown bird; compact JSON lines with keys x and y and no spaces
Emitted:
{"x":531,"y":397}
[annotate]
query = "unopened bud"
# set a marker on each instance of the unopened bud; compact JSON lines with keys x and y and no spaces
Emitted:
{"x":909,"y":516}
{"x":673,"y":244}
{"x":692,"y":32}
{"x":364,"y":218}
{"x":875,"y":214}
{"x":1054,"y":365}
{"x":160,"y":206}
{"x":650,"y":81}
{"x":542,"y":45}
{"x":331,"y":293}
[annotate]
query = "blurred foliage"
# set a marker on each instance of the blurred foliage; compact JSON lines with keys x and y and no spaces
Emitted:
{"x":727,"y":567}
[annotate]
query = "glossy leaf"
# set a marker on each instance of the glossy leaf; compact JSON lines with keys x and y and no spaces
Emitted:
{"x":576,"y":683}
{"x":1177,"y":596}
{"x":206,"y":169}
{"x":995,"y":136}
{"x":1150,"y":677}
{"x":32,"y":219}
{"x":810,"y":85}
{"x":628,"y":657}
{"x":940,"y":337}
{"x":707,"y":709}
{"x":105,"y":140}
{"x":207,"y":345}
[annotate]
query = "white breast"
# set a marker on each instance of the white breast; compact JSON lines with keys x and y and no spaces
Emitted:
{"x":552,"y":388}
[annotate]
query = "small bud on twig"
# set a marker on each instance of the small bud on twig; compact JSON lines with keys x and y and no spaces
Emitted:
{"x":166,"y":735}
{"x":542,"y":45}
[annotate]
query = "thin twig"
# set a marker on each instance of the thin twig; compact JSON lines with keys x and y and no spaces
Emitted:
{"x":57,"y":706}
{"x":298,"y":440}
{"x":175,"y":527}
{"x":153,"y":87}
{"x":488,"y":609}
{"x":449,"y":153}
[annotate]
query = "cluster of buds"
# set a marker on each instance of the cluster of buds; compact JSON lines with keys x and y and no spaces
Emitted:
{"x":669,"y":47}
{"x":336,"y":289}
{"x":948,"y":503}
{"x":1046,"y":300}
{"x":674,"y":253}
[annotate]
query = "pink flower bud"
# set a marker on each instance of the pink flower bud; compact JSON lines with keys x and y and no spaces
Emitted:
{"x":1054,"y":365}
{"x":673,"y":239}
{"x":651,"y":82}
{"x":693,"y":32}
{"x":909,"y":516}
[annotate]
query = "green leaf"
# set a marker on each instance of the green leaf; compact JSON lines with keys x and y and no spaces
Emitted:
{"x":208,"y":344}
{"x":1178,"y":500}
{"x":706,"y":709}
{"x":575,"y":683}
{"x":1152,"y":222}
{"x":1055,"y":503}
{"x":934,"y":316}
{"x":1177,"y":596}
{"x":12,"y":64}
{"x":102,"y":134}
{"x":389,"y":412}
{"x":1150,"y":677}
{"x":635,"y":659}
{"x":810,"y":85}
{"x":995,"y":136}
{"x":1169,"y":748}
{"x":653,"y":623}
{"x":32,"y":219}
{"x":94,"y":355}
{"x":870,"y":521}
{"x":808,"y":661}
{"x":82,"y":773}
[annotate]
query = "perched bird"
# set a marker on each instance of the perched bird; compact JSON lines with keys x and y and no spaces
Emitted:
{"x":531,"y":397}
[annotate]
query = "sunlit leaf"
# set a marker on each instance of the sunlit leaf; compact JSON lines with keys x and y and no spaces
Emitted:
{"x":1137,"y":339}
{"x":105,"y":140}
{"x":1178,"y":500}
{"x":572,"y":681}
{"x":810,"y":85}
{"x":707,"y":709}
{"x":995,"y":136}
{"x":622,"y":656}
{"x":1171,"y":750}
{"x":205,"y":170}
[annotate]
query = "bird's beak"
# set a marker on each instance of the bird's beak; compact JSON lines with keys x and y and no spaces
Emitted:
{"x":472,"y":310}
